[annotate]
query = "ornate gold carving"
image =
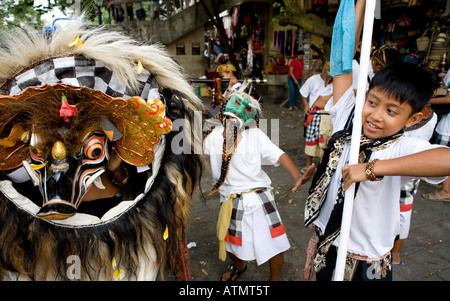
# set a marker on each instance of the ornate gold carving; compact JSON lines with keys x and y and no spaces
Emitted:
{"x":141,"y":123}
{"x":58,"y":151}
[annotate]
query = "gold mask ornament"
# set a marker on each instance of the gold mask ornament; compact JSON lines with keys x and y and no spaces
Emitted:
{"x":140,"y":122}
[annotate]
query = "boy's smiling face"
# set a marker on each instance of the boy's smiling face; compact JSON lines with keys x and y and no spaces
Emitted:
{"x":383,"y":116}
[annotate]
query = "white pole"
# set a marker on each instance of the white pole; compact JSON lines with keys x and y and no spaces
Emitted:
{"x":356,"y":133}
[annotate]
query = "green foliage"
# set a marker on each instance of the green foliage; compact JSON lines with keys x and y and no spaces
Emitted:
{"x":20,"y":12}
{"x":279,"y":9}
{"x":17,"y":12}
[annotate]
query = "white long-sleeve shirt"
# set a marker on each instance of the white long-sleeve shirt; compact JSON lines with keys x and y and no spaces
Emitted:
{"x":376,"y":212}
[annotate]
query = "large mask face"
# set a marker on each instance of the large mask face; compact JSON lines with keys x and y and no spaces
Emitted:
{"x":109,"y":196}
{"x":240,"y":108}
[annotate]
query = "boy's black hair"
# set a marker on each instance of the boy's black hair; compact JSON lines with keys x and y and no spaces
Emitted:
{"x":406,"y":82}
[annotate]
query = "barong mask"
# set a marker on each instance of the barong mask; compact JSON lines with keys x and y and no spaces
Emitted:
{"x":75,"y":102}
{"x":66,"y":161}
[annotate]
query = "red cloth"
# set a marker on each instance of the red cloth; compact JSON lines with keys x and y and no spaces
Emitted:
{"x":310,"y":116}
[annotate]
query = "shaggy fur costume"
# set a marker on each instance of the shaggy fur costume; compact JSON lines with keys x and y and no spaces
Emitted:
{"x":106,"y":239}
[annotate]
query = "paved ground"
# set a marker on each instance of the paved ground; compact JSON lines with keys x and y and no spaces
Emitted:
{"x":425,"y":253}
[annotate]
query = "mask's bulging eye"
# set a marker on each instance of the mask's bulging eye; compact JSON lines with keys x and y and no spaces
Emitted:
{"x":236,"y":102}
{"x":249,"y":110}
{"x":93,"y":149}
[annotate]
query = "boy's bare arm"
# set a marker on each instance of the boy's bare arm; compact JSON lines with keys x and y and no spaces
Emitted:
{"x":360,"y":8}
{"x":299,"y":179}
{"x":305,"y":105}
{"x":440,"y":100}
{"x":429,"y":163}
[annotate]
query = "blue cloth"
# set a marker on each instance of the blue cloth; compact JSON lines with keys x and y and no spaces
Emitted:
{"x":343,"y":39}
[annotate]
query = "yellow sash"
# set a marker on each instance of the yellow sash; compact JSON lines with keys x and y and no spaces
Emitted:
{"x":223,"y":222}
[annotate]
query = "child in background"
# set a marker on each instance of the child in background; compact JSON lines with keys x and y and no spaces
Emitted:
{"x":228,"y":71}
{"x":315,"y":92}
{"x":442,"y":136}
{"x":249,"y":225}
{"x":424,"y":131}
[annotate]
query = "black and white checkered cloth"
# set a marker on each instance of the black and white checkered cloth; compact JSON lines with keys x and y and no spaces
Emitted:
{"x":271,"y":212}
{"x":441,"y":139}
{"x":407,"y":194}
{"x":79,"y":71}
{"x":312,"y":136}
{"x":312,"y":130}
{"x":235,"y":229}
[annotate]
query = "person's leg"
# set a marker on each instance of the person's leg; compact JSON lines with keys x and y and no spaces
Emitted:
{"x":292,"y":93}
{"x":297,"y":93}
{"x":445,"y":190}
{"x":276,"y":264}
{"x":440,"y":195}
{"x":238,"y":264}
{"x":254,"y":67}
{"x":309,"y":161}
{"x":260,"y":66}
{"x":408,"y":191}
{"x":396,"y":251}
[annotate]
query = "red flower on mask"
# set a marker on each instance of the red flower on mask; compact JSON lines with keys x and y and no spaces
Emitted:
{"x":66,"y":111}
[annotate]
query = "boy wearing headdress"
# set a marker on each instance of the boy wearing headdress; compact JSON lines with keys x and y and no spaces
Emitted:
{"x":249,"y":225}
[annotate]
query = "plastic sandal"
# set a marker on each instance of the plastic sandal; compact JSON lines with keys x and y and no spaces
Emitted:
{"x":235,"y":273}
{"x":435,"y":196}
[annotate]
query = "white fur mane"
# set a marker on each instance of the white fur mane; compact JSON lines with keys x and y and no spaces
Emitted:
{"x":21,"y":48}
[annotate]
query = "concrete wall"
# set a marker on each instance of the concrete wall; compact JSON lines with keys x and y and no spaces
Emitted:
{"x":194,"y":65}
{"x":188,"y":27}
{"x":276,"y":89}
{"x":169,"y":30}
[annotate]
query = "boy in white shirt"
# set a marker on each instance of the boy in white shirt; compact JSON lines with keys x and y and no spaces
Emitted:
{"x":249,"y":225}
{"x":397,"y":94}
{"x":442,"y":136}
{"x":375,"y":219}
{"x":315,"y":93}
{"x":422,"y":130}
